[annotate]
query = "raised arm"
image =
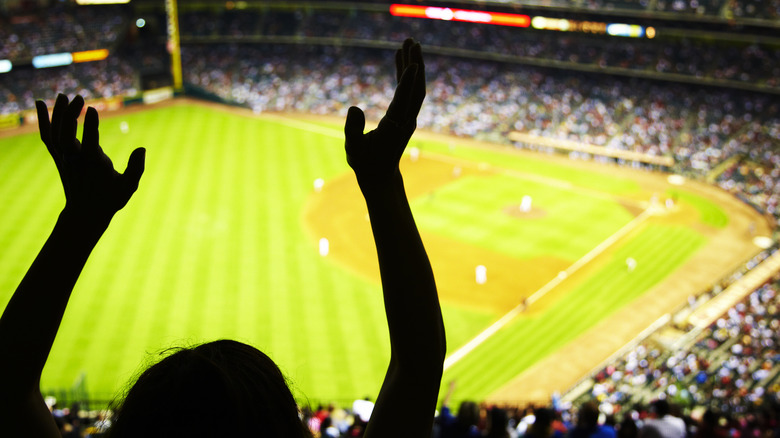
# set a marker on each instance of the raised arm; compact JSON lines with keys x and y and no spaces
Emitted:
{"x":407,"y":401}
{"x":94,"y":192}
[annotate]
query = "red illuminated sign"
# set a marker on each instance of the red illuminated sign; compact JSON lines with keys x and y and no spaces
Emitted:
{"x":470,"y":16}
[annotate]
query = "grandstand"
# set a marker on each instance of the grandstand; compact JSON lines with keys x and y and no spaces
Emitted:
{"x":662,"y":89}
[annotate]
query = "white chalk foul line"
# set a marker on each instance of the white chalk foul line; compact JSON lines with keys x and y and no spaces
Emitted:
{"x":304,"y":126}
{"x":461,"y":352}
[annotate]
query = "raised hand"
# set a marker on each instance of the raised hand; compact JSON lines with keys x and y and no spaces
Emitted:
{"x":94,"y":192}
{"x":92,"y":186}
{"x":374,"y":156}
{"x":417,"y":338}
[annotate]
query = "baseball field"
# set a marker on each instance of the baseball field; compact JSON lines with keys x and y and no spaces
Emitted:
{"x":224,"y":239}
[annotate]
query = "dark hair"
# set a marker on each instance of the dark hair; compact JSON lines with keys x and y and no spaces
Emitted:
{"x":542,"y":425}
{"x":588,"y":416}
{"x":498,"y":421}
{"x":221,"y":388}
{"x":661,"y":407}
{"x":468,"y":414}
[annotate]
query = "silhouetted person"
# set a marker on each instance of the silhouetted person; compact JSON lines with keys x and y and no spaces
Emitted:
{"x":663,"y":424}
{"x":588,"y":424}
{"x":628,"y":428}
{"x":328,"y":430}
{"x":542,"y":426}
{"x":498,"y":423}
{"x":462,"y":426}
{"x":709,"y":426}
{"x":226,"y":388}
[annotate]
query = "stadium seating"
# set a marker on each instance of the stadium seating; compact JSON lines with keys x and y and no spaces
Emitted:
{"x":701,"y":61}
{"x":60,"y":29}
{"x":730,"y":368}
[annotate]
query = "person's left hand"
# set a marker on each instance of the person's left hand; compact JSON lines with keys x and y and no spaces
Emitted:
{"x":92,"y":187}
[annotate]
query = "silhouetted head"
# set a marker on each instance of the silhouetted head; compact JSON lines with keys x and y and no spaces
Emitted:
{"x":497,"y":423}
{"x":710,"y":418}
{"x":468,"y":413}
{"x":661,"y":408}
{"x":628,"y":428}
{"x":222,"y":388}
{"x":588,"y":416}
{"x":543,"y":418}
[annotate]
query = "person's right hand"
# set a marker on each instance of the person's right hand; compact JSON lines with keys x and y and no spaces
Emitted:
{"x":374,"y":156}
{"x":92,"y":186}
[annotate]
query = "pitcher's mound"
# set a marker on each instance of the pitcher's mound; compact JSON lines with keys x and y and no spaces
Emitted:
{"x":518,"y":212}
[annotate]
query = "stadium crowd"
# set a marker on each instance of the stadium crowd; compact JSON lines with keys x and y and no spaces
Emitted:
{"x":112,"y":77}
{"x":745,"y":63}
{"x":59,"y":29}
{"x":728,"y":375}
{"x":106,"y":27}
{"x":764,"y":10}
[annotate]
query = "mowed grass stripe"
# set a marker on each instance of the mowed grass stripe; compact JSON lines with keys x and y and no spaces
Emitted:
{"x":253,"y":310}
{"x":29,"y":167}
{"x":527,"y":340}
{"x":156,"y":212}
{"x":153,"y":262}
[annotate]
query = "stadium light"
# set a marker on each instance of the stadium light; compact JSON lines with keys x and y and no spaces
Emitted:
{"x":102,"y":2}
{"x":90,"y":55}
{"x":5,"y":66}
{"x":626,"y":30}
{"x":596,"y":27}
{"x":466,"y":15}
{"x":566,"y":25}
{"x":53,"y":60}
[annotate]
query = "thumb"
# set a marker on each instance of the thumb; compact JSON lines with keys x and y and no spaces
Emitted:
{"x":135,"y":168}
{"x":355,"y":124}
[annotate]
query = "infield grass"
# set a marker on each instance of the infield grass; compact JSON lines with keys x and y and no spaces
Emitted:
{"x":212,"y":246}
{"x":473,"y":209}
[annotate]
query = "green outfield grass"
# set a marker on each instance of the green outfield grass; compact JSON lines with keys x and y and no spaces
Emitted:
{"x":212,"y":246}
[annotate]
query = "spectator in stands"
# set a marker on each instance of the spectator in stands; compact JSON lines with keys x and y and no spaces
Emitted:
{"x":328,"y":430}
{"x":498,"y":424}
{"x":462,"y":426}
{"x":542,"y":426}
{"x":627,"y":428}
{"x":226,"y":388}
{"x":663,"y":424}
{"x":709,"y":426}
{"x":588,"y":424}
